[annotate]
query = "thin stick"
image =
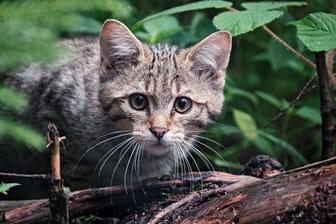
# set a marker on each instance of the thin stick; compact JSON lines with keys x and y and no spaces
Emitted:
{"x":328,"y":129}
{"x":24,"y":176}
{"x":282,"y":42}
{"x":57,"y":197}
{"x":55,"y":160}
{"x":304,"y":91}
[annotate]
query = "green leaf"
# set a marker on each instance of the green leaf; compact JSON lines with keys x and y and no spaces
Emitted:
{"x":270,"y":5}
{"x":228,"y":164}
{"x":242,"y":93}
{"x":270,"y":99}
{"x":282,"y":143}
{"x":12,"y":100}
{"x":309,"y":113}
{"x":21,"y":133}
{"x":246,"y":124}
{"x":223,"y":129}
{"x":161,"y":28}
{"x":4,"y":187}
{"x":185,"y":8}
{"x":317,"y":31}
{"x":265,"y":146}
{"x":240,"y":22}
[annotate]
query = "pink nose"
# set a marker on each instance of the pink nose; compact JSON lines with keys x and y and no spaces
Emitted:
{"x":158,"y":132}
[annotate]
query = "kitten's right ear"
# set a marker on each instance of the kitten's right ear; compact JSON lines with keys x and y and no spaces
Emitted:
{"x":119,"y":47}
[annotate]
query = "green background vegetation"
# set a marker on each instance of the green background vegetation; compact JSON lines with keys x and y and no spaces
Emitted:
{"x":262,"y":79}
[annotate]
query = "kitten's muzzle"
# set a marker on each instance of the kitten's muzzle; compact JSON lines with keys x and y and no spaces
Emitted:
{"x":158,"y":132}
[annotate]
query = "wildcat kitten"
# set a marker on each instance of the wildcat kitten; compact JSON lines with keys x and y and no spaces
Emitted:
{"x":129,"y":111}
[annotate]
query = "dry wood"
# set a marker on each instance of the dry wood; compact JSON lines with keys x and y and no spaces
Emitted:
{"x":91,"y":200}
{"x":57,"y":197}
{"x":302,"y":196}
{"x":309,"y":190}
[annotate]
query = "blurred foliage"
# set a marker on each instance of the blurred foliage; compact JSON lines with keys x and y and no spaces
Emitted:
{"x":263,"y":77}
{"x":30,"y":30}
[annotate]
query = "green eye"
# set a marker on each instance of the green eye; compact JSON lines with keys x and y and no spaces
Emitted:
{"x":138,"y":101}
{"x":182,"y":104}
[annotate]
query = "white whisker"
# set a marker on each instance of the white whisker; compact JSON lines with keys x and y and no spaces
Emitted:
{"x":109,"y":154}
{"x":96,"y":145}
{"x":206,"y":146}
{"x":128,"y":147}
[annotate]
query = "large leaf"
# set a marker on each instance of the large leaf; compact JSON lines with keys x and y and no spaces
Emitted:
{"x":160,"y":28}
{"x":309,"y":113}
{"x":187,"y":7}
{"x":317,"y":31}
{"x":4,"y":187}
{"x":240,"y":22}
{"x":270,"y":5}
{"x":246,"y":124}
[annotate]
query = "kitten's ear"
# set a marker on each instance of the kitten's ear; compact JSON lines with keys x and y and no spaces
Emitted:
{"x":210,"y":57}
{"x":119,"y":47}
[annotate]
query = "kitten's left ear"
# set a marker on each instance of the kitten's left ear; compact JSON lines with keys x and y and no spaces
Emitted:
{"x":119,"y":47}
{"x":210,"y":57}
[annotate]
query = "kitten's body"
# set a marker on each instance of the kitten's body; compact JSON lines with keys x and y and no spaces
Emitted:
{"x":90,"y":96}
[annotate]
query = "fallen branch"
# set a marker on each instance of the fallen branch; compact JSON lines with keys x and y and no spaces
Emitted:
{"x":302,"y":196}
{"x":216,"y":196}
{"x":92,"y":200}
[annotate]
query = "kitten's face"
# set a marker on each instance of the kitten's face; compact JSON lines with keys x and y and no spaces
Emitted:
{"x":161,"y":95}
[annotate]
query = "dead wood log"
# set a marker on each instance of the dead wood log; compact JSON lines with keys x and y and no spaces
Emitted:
{"x":305,"y":195}
{"x":115,"y":198}
{"x":308,"y":192}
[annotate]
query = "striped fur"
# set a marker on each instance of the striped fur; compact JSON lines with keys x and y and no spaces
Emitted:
{"x":87,"y":95}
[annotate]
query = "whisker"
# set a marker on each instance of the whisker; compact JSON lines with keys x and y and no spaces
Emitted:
{"x":96,"y":145}
{"x":109,"y":154}
{"x":128,"y":163}
{"x":210,"y":140}
{"x":111,"y":133}
{"x":188,"y":165}
{"x":128,"y":147}
{"x":199,"y":153}
{"x":206,"y":146}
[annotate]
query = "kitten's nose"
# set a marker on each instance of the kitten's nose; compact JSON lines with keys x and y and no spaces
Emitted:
{"x":158,"y":132}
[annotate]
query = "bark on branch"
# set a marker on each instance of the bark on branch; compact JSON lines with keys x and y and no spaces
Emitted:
{"x":217,"y":197}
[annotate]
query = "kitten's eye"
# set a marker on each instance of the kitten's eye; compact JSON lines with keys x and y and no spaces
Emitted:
{"x":182,"y":104}
{"x":138,"y":101}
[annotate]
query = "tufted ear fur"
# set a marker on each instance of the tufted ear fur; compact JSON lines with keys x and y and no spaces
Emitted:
{"x":210,"y":57}
{"x":119,"y":47}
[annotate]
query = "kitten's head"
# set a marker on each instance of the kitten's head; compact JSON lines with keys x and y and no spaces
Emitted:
{"x":162,"y":95}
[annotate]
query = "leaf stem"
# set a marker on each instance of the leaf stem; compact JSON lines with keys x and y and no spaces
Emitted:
{"x":295,"y":52}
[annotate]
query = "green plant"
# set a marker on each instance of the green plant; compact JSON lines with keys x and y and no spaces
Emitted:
{"x":5,"y":187}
